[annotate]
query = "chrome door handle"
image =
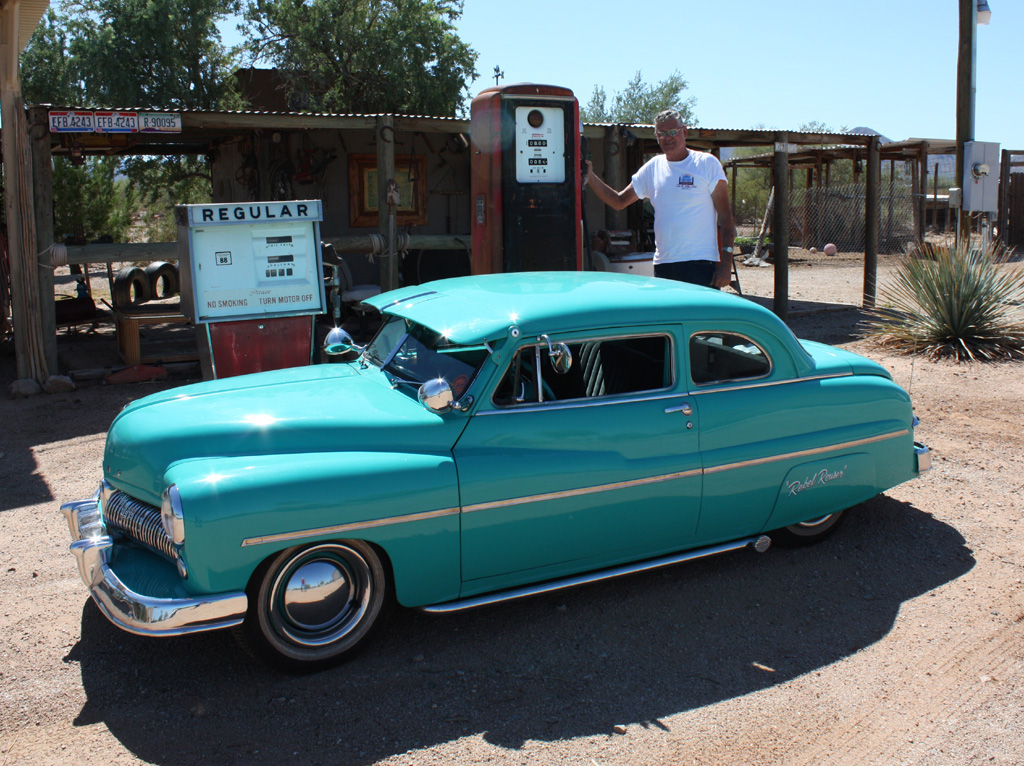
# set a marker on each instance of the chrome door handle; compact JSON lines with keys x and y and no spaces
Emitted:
{"x":684,"y":408}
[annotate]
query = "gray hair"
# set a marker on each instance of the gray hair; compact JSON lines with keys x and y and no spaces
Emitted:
{"x":669,"y":114}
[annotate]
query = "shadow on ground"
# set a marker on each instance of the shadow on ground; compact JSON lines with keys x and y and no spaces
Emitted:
{"x":31,"y":423}
{"x":637,"y":650}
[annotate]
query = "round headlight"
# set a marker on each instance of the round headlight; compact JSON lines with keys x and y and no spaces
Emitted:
{"x":171,"y":516}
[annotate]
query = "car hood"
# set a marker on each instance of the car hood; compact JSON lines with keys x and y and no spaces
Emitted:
{"x":829,"y":360}
{"x":317,"y":409}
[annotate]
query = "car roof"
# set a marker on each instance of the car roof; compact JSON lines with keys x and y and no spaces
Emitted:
{"x":485,"y":307}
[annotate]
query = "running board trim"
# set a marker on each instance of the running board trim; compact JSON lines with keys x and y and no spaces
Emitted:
{"x":760,"y":544}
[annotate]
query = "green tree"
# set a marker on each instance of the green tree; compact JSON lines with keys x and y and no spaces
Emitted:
{"x":154,"y":53}
{"x":90,"y":201}
{"x":131,"y":53}
{"x":48,"y":71}
{"x":365,"y":55}
{"x":639,"y":102}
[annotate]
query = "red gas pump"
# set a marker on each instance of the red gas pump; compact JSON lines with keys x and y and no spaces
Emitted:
{"x":525,"y":179}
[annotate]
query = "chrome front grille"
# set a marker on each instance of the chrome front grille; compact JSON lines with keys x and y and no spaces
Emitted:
{"x":140,"y":521}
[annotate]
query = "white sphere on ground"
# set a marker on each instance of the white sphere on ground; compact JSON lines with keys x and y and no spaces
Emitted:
{"x":830,"y":249}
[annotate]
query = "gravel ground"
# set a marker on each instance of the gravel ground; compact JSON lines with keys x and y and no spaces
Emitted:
{"x":899,"y":640}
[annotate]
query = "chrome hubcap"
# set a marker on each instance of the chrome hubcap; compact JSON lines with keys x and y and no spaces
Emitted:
{"x":320,"y":595}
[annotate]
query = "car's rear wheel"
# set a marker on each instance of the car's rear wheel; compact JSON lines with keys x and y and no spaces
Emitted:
{"x":807,"y":532}
{"x":311,"y":607}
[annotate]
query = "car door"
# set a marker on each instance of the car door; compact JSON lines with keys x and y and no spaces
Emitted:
{"x":759,"y":419}
{"x":601,"y":466}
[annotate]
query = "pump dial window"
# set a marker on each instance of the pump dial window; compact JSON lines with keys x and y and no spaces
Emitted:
{"x":535,"y":118}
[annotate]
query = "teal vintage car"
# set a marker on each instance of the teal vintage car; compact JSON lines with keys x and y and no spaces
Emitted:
{"x":499,"y":436}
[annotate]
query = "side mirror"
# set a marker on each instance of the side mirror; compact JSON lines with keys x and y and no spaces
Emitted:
{"x":339,"y":342}
{"x":559,"y":355}
{"x":436,"y":395}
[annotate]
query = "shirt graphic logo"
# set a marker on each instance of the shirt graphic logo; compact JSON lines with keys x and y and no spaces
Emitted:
{"x":685,"y":182}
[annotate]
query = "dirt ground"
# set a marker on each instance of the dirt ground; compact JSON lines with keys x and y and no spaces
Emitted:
{"x":899,"y":640}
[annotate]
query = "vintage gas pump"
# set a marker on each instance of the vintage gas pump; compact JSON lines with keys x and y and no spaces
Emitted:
{"x":251,"y":283}
{"x":525,"y":179}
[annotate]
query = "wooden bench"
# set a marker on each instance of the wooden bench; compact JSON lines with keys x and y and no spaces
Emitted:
{"x":129,"y":320}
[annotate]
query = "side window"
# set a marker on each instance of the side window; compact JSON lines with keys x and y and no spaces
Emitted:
{"x":720,"y":356}
{"x":612,"y":367}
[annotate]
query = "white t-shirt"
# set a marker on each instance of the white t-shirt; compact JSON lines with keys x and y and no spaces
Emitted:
{"x":685,"y":220}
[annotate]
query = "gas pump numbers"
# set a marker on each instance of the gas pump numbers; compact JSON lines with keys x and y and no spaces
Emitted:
{"x":540,"y":144}
{"x":223,"y":259}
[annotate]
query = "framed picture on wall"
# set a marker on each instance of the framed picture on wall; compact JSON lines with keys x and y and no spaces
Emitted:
{"x":411,"y":176}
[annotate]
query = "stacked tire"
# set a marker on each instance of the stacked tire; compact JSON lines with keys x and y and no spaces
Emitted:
{"x":134,"y":286}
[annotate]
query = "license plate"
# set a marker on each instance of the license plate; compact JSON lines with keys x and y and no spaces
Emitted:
{"x":157,"y":122}
{"x":72,"y":122}
{"x":117,"y":122}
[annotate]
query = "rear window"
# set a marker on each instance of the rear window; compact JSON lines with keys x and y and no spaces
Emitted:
{"x":717,"y":357}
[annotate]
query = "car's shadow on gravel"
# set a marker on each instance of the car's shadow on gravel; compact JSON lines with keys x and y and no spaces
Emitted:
{"x":633,"y":651}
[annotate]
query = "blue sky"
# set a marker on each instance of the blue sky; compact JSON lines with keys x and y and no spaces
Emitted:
{"x":890,"y":66}
{"x":887,"y":65}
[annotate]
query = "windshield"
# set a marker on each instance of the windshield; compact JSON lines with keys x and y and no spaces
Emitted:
{"x":414,"y":354}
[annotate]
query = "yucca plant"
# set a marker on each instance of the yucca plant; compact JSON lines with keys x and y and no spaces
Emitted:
{"x":952,"y":301}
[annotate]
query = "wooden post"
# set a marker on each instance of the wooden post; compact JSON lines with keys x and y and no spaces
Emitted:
{"x":21,"y":238}
{"x":385,"y":173}
{"x":915,"y":197}
{"x":42,"y":204}
{"x":732,"y":189}
{"x":892,"y":193}
{"x":780,"y":235}
{"x":1002,"y":217}
{"x":965,"y":102}
{"x":871,"y":214}
{"x":614,"y":162}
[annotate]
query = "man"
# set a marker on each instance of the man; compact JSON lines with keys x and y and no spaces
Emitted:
{"x":691,"y":202}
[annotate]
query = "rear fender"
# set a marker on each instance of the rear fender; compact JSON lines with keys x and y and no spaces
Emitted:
{"x":817,"y":488}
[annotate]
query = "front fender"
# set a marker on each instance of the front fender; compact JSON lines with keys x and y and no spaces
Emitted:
{"x":238,"y":511}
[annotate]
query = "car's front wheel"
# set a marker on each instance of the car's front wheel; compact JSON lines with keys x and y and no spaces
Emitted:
{"x":312,"y":606}
{"x":807,"y":532}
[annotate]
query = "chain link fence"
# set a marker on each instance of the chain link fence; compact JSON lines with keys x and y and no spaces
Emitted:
{"x":835,"y":211}
{"x":836,"y":214}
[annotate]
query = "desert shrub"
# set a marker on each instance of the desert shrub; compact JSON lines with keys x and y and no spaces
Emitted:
{"x":952,"y":301}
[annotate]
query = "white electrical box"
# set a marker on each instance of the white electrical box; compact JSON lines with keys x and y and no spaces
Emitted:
{"x":981,"y":177}
{"x":250,"y":260}
{"x":540,"y":144}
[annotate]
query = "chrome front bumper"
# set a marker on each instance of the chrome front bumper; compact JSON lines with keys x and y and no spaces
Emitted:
{"x":131,"y":611}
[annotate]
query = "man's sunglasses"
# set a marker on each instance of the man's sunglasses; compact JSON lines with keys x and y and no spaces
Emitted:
{"x":671,"y":132}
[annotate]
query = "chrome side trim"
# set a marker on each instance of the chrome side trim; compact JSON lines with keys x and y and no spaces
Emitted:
{"x":579,"y":492}
{"x":136,"y":612}
{"x":806,"y":452}
{"x":768,"y":384}
{"x":345,"y":528}
{"x":670,"y":476}
{"x":567,"y":404}
{"x":760,"y":544}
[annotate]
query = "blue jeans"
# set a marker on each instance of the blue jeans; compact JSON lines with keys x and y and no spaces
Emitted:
{"x":695,"y":272}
